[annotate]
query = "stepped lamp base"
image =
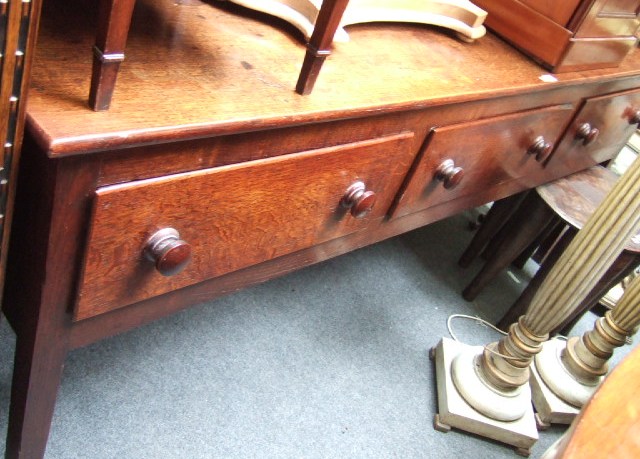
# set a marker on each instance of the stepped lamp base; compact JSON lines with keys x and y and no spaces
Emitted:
{"x":557,"y":396}
{"x":550,"y":409}
{"x":454,"y":411}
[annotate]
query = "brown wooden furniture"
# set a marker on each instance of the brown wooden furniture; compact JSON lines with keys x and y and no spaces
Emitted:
{"x":18,"y":28}
{"x":245,"y":181}
{"x":567,"y":202}
{"x":569,"y":35}
{"x":114,"y":20}
{"x":607,"y":425}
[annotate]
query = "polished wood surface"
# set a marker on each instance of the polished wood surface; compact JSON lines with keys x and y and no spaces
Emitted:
{"x":174,"y":62}
{"x":491,"y":152}
{"x":612,"y":117}
{"x":205,"y":105}
{"x":567,"y":36}
{"x":607,"y":426}
{"x":233,"y":217}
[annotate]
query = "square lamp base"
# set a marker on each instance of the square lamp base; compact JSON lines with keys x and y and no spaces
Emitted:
{"x":550,"y":409}
{"x":454,"y":411}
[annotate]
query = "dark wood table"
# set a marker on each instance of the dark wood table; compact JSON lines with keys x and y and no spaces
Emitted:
{"x":206,"y":136}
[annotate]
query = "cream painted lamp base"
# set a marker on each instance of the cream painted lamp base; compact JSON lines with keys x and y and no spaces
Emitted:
{"x":548,"y":378}
{"x":461,"y":16}
{"x":455,"y":412}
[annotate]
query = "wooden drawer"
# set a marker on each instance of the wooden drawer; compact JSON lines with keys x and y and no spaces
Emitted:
{"x":232,"y":217}
{"x":612,"y":117}
{"x":491,"y":154}
{"x":567,"y":36}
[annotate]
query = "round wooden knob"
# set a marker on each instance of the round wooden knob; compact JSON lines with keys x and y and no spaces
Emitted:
{"x":541,"y":148}
{"x":635,"y":117}
{"x":449,"y":174}
{"x":358,"y":199}
{"x":169,"y":253}
{"x":587,"y":133}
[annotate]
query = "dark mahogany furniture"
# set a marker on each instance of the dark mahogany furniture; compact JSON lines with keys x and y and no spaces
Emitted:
{"x":18,"y":27}
{"x":567,"y":35}
{"x":209,"y":174}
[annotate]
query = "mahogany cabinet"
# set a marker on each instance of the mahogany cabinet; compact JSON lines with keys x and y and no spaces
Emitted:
{"x":569,"y":35}
{"x":209,"y":173}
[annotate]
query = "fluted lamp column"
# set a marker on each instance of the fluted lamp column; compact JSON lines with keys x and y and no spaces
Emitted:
{"x":485,"y":391}
{"x":567,"y":373}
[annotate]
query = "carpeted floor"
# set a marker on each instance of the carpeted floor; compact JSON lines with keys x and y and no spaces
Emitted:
{"x":329,"y":362}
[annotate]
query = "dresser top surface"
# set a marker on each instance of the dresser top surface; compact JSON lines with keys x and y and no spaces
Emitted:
{"x":196,"y":69}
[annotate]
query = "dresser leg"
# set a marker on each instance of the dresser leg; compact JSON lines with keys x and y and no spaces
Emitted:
{"x":38,"y":365}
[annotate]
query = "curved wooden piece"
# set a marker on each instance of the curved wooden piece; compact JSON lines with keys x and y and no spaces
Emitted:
{"x":608,"y":424}
{"x":462,"y":16}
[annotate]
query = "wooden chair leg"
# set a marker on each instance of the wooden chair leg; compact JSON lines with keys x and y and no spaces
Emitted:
{"x":522,"y":303}
{"x":114,"y":19}
{"x":549,"y":242}
{"x":527,"y":253}
{"x":621,"y":268}
{"x":522,"y":228}
{"x":498,"y":214}
{"x":319,"y":46}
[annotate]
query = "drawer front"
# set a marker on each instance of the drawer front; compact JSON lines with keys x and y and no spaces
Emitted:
{"x":491,"y":153}
{"x":232,"y":217}
{"x":612,"y":117}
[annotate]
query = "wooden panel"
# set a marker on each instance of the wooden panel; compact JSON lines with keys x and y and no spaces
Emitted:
{"x":233,"y":216}
{"x":527,"y":29}
{"x":609,"y":114}
{"x":595,"y":53}
{"x":559,"y":12}
{"x":609,"y":18}
{"x":491,"y":152}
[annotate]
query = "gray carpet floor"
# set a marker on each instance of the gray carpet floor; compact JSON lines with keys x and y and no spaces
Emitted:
{"x":328,"y":362}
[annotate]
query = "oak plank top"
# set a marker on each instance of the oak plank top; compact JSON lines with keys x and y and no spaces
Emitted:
{"x":196,"y":69}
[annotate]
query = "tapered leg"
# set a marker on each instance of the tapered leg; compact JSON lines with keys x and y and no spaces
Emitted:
{"x":114,"y":19}
{"x":319,"y":46}
{"x":526,"y":224}
{"x":533,"y":247}
{"x":37,"y":372}
{"x":496,"y":217}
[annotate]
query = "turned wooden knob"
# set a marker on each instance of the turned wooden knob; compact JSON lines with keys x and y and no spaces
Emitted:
{"x":358,"y":199}
{"x":587,"y":133}
{"x":541,"y":148}
{"x":635,"y":117}
{"x":169,"y":253}
{"x":449,"y":174}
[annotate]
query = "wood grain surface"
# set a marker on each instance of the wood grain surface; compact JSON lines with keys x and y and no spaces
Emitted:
{"x":197,"y":69}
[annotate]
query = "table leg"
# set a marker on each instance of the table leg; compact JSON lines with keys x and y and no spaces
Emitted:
{"x":114,"y":19}
{"x":524,"y":226}
{"x":39,"y":361}
{"x":319,"y":46}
